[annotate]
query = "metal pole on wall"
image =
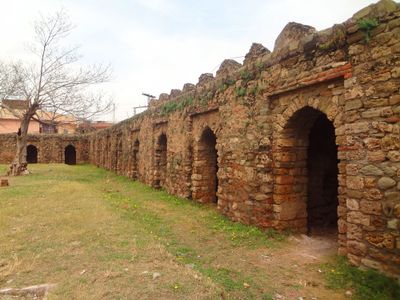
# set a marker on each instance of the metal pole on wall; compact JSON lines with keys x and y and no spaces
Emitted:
{"x":114,"y":113}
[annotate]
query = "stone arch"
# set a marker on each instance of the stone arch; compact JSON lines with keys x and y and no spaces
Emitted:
{"x":99,"y":152}
{"x":161,"y":159}
{"x":107,"y":152}
{"x":70,"y":155}
{"x":135,"y":159}
{"x":305,"y":170}
{"x":102,"y":147}
{"x":205,"y":167}
{"x":31,"y":154}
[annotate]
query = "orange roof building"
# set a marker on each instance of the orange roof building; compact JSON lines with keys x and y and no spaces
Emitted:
{"x":51,"y":122}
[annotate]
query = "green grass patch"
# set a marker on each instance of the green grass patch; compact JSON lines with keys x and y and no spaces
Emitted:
{"x":367,"y":285}
{"x":229,"y":279}
{"x":245,"y":235}
{"x":97,"y":234}
{"x":238,"y":234}
{"x":3,"y":169}
{"x":162,"y":231}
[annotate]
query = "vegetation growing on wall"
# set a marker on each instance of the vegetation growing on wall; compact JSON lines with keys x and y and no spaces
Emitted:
{"x":181,"y":104}
{"x":366,"y":25}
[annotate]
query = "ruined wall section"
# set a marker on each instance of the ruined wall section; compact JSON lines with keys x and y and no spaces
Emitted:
{"x":261,"y":114}
{"x":50,"y":147}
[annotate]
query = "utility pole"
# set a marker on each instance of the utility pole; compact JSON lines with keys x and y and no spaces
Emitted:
{"x":149,"y":97}
{"x":136,"y":107}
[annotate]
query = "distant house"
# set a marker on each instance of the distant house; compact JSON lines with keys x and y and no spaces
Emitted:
{"x":50,"y":122}
{"x":89,"y":126}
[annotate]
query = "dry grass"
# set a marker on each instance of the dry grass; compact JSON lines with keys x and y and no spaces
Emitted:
{"x":100,"y":236}
{"x":56,"y":227}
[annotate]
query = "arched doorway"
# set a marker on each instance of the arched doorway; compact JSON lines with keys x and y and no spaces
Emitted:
{"x":107,"y":153}
{"x":118,"y":156}
{"x":135,"y":159}
{"x":205,"y":168}
{"x":70,"y":155}
{"x":31,"y":154}
{"x":161,"y":161}
{"x":305,"y":173}
{"x":322,"y":167}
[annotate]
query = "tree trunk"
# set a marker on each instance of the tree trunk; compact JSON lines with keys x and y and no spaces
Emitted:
{"x":19,"y":164}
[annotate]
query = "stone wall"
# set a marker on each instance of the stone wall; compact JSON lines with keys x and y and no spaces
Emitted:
{"x":305,"y":137}
{"x":50,"y":148}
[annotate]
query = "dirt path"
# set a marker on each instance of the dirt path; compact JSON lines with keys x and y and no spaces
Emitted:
{"x":297,"y":268}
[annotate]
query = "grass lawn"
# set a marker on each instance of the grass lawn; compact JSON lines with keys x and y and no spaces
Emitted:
{"x":101,"y":236}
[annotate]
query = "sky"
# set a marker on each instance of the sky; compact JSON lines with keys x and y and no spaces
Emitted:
{"x":154,"y":46}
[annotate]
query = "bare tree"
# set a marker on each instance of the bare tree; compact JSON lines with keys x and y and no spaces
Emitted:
{"x":54,"y":83}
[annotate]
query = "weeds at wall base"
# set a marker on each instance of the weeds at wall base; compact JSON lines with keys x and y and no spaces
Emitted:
{"x":365,"y":285}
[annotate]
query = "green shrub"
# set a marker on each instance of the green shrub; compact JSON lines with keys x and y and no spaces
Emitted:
{"x":246,"y":75}
{"x":222,"y":87}
{"x":240,"y":91}
{"x":366,"y":25}
{"x":170,"y":107}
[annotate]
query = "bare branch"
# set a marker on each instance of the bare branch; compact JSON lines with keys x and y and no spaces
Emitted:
{"x":55,"y":84}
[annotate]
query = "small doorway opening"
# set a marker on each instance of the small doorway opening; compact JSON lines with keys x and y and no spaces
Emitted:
{"x":204,"y":178}
{"x":31,"y":154}
{"x":306,"y":171}
{"x":70,"y":155}
{"x":161,"y":161}
{"x":118,"y":157}
{"x":322,"y":167}
{"x":135,"y":159}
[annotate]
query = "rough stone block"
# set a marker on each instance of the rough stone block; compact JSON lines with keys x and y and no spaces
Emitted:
{"x":358,"y":127}
{"x":381,"y":240}
{"x":371,"y":170}
{"x":373,"y":264}
{"x":393,"y":224}
{"x":354,"y":194}
{"x":352,"y":204}
{"x":342,"y":226}
{"x":371,"y":207}
{"x":356,"y":248}
{"x":372,"y":194}
{"x":354,"y":232}
{"x":353,"y":104}
{"x":390,"y":142}
{"x":356,"y":217}
{"x":394,"y":156}
{"x":385,"y":183}
{"x":376,"y":156}
{"x":355,"y":182}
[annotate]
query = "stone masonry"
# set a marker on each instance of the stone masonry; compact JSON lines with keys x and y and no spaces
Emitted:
{"x":50,"y":148}
{"x":306,"y":137}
